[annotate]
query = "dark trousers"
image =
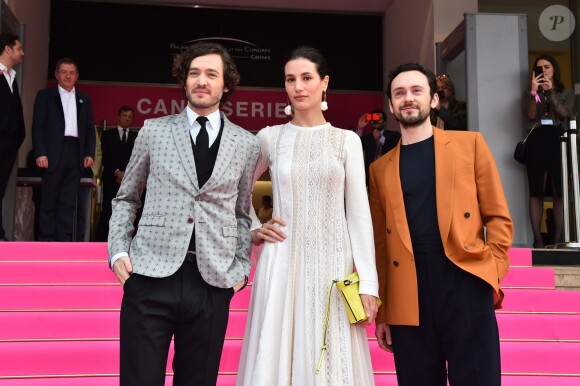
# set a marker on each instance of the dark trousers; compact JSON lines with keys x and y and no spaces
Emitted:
{"x":457,"y":336}
{"x":58,"y":196}
{"x":184,"y":306}
{"x":8,"y":154}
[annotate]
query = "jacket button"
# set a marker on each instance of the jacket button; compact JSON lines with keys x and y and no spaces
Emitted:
{"x":466,"y":215}
{"x":190,"y":220}
{"x":396,"y":263}
{"x":389,"y":230}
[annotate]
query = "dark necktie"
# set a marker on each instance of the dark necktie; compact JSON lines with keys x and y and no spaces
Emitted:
{"x":124,"y":139}
{"x":202,"y":139}
{"x":378,"y":147}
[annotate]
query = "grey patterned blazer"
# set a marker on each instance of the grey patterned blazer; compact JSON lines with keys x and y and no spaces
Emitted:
{"x":162,"y":160}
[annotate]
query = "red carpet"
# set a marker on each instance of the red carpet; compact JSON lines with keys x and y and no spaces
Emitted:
{"x":59,"y":316}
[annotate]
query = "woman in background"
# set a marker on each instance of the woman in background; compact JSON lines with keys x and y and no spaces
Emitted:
{"x":547,"y":105}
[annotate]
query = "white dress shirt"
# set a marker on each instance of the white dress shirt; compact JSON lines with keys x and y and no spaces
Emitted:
{"x":69,"y":105}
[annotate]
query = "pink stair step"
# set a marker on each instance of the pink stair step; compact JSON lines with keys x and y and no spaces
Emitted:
{"x":78,"y":297}
{"x":517,"y":357}
{"x":56,"y":272}
{"x":520,"y":257}
{"x":37,"y":251}
{"x":223,"y":380}
{"x":112,"y":380}
{"x":82,"y":357}
{"x":540,"y":300}
{"x":109,"y":380}
{"x":557,"y":327}
{"x":102,"y":357}
{"x":229,"y":380}
{"x":540,"y":357}
{"x":540,"y":380}
{"x":80,"y":325}
{"x":532,"y":277}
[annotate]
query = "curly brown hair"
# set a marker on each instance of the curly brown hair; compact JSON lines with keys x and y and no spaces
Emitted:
{"x":183,"y":60}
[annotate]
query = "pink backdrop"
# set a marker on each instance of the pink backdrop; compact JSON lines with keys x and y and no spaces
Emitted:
{"x":250,"y":108}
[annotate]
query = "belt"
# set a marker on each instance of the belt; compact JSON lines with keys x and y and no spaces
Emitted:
{"x":190,"y":257}
{"x":70,"y":138}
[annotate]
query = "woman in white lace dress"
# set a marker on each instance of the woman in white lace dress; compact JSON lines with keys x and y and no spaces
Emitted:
{"x":320,"y":230}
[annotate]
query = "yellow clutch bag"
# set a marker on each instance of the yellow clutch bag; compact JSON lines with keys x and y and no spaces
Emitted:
{"x":355,"y":310}
{"x":348,"y":288}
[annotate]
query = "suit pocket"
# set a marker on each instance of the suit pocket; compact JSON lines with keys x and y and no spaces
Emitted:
{"x":154,"y":221}
{"x":230,"y":231}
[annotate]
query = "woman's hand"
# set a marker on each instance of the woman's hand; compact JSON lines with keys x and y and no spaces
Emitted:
{"x":270,"y":232}
{"x":536,"y":82}
{"x":546,"y":84}
{"x":371,"y":308}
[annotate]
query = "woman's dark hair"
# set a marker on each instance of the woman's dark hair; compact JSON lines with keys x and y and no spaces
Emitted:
{"x":558,"y":85}
{"x":311,"y":54}
{"x":182,"y":62}
{"x":412,"y":67}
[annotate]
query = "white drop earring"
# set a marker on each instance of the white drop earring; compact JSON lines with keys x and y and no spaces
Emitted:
{"x":323,"y":104}
{"x":288,"y":109}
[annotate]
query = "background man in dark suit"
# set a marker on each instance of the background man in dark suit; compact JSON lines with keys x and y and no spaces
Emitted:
{"x":11,"y":118}
{"x":116,"y":146}
{"x":376,"y":144}
{"x":63,"y":135}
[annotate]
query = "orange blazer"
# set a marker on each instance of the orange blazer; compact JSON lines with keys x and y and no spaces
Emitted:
{"x":469,"y":197}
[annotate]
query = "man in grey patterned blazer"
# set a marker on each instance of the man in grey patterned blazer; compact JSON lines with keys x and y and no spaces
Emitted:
{"x":191,"y":251}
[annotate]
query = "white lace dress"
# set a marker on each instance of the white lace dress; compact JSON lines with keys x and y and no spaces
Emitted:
{"x":318,"y":184}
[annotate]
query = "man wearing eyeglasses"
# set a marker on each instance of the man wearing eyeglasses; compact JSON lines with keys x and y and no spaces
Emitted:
{"x":63,"y":137}
{"x":449,"y":114}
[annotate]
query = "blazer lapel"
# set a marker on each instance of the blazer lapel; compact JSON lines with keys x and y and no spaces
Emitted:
{"x":182,"y":139}
{"x":444,"y":181}
{"x":394,"y":194}
{"x":4,"y":84}
{"x":58,"y":103}
{"x":226,"y":151}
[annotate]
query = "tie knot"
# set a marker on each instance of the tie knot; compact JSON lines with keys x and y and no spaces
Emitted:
{"x":201,"y":120}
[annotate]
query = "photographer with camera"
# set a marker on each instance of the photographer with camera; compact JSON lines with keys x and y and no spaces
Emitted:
{"x":546,"y":104}
{"x":379,"y":141}
{"x":449,"y":114}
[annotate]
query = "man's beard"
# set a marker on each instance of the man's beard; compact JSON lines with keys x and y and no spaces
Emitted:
{"x":202,"y":105}
{"x":411,"y":121}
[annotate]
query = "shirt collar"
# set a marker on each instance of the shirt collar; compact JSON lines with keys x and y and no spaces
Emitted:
{"x":12,"y":73}
{"x":62,"y":91}
{"x":214,"y":119}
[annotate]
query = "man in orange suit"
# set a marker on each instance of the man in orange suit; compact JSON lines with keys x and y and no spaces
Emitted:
{"x":442,"y":232}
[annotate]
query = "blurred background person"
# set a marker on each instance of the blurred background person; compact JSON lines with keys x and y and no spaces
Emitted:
{"x":12,"y":130}
{"x":449,"y":114}
{"x":379,"y":141}
{"x":265,"y":212}
{"x":547,"y":104}
{"x":116,"y":147}
{"x":63,"y":137}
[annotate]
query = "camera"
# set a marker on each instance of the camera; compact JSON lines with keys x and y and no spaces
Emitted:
{"x":373,"y":117}
{"x":538,"y":71}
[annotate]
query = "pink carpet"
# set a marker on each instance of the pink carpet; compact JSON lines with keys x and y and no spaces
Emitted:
{"x":59,"y":315}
